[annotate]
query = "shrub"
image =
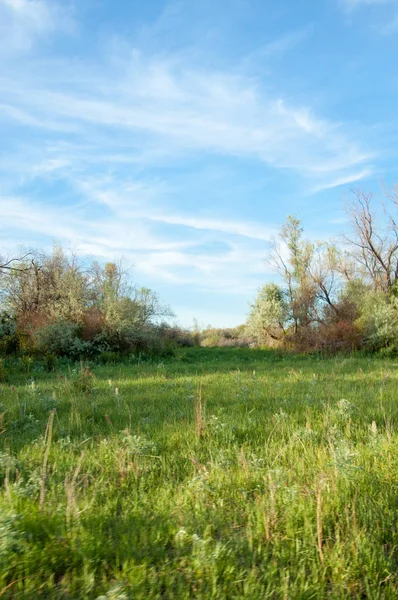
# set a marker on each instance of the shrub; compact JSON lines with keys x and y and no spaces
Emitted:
{"x":61,"y":339}
{"x":379,"y":320}
{"x":180,"y":337}
{"x":93,"y":325}
{"x":344,"y":336}
{"x":60,"y":307}
{"x":83,"y":381}
{"x":152,"y":342}
{"x":236,"y":337}
{"x":9,"y":339}
{"x":3,"y":372}
{"x":50,"y":362}
{"x":269,"y":315}
{"x":108,"y":357}
{"x":27,"y":362}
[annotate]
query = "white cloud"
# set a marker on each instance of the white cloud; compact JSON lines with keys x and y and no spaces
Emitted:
{"x":391,"y":27}
{"x":22,"y":22}
{"x":359,"y":176}
{"x":273,"y":49}
{"x":384,"y":27}
{"x":249,"y":230}
{"x":351,"y":4}
{"x":130,"y":235}
{"x":184,"y":111}
{"x":105,"y":137}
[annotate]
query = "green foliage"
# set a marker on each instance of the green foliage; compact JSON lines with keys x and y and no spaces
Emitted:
{"x":109,"y":358}
{"x":289,"y":493}
{"x":269,"y":314}
{"x":326,"y":302}
{"x":301,"y":251}
{"x":182,"y":338}
{"x":56,"y":305}
{"x":27,"y":362}
{"x":297,"y":273}
{"x":224,"y":337}
{"x":52,"y":287}
{"x":61,"y":339}
{"x":50,"y":362}
{"x":9,"y":340}
{"x":379,"y":320}
{"x":3,"y":372}
{"x":10,"y":538}
{"x":83,"y":381}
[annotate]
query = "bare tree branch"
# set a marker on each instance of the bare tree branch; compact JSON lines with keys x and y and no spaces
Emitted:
{"x":10,"y":264}
{"x":377,"y":243}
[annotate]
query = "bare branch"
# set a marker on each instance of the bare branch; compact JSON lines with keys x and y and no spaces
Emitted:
{"x":10,"y":264}
{"x":377,"y":242}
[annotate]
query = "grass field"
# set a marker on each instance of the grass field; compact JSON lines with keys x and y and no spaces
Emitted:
{"x":220,"y":474}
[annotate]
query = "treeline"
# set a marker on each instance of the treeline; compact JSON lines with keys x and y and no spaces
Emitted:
{"x":54,"y":305}
{"x":330,"y":297}
{"x":334,"y":297}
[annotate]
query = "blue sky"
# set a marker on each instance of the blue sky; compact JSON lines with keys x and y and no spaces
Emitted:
{"x":179,"y":135}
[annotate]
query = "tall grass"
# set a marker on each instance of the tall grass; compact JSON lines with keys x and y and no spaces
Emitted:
{"x":220,"y":474}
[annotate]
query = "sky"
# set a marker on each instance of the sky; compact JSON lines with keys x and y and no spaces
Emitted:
{"x":178,"y":135}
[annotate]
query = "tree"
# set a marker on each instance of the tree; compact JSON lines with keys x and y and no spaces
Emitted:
{"x":58,"y":304}
{"x":310,"y":302}
{"x":14,"y":264}
{"x":379,"y":320}
{"x":120,"y":300}
{"x":292,"y":259}
{"x":326,"y":272}
{"x":374,"y":241}
{"x":269,"y":314}
{"x":45,"y":289}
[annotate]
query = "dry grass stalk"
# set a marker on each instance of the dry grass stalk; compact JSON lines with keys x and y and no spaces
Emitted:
{"x":200,"y":416}
{"x":319,"y":527}
{"x":2,"y":428}
{"x":201,"y":468}
{"x":389,"y":428}
{"x":136,"y":466}
{"x":354,"y":520}
{"x":70,"y":492}
{"x":270,"y":515}
{"x":243,"y":462}
{"x":7,"y":483}
{"x":47,"y":441}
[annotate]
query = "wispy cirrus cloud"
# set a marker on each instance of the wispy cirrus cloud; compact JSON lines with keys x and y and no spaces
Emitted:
{"x":102,"y":129}
{"x":97,"y":147}
{"x":183,"y":110}
{"x":192,"y":260}
{"x":352,"y":178}
{"x":384,"y":27}
{"x":351,"y":4}
{"x":23,"y":22}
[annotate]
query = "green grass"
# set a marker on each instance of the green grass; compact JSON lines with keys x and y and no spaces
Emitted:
{"x":220,"y":474}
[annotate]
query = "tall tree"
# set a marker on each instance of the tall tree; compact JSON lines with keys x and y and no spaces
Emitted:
{"x":374,"y":238}
{"x":17,"y":263}
{"x":269,"y":315}
{"x":291,"y":258}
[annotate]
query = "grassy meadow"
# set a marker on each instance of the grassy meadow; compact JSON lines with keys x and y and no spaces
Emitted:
{"x":215,"y":474}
